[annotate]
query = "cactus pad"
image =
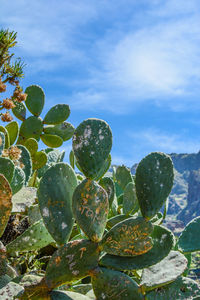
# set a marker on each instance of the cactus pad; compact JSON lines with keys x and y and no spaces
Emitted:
{"x":2,"y":142}
{"x":189,"y":239}
{"x":128,"y":238}
{"x":23,"y":199}
{"x":55,"y":200}
{"x":51,"y":140}
{"x":57,"y":114}
{"x":153,"y":256}
{"x":32,"y":145}
{"x":18,"y":180}
{"x":74,"y":260}
{"x":31,"y":128}
{"x":108,"y":184}
{"x":123,"y":176}
{"x":5,"y":203}
{"x":19,"y":110}
{"x":7,"y":168}
{"x":64,"y":130}
{"x":181,"y":289}
{"x":13,"y":131}
{"x":164,"y":272}
{"x":92,"y":142}
{"x":67,"y":295}
{"x":153,"y":181}
{"x":35,"y":99}
{"x":130,"y":202}
{"x":39,"y":159}
{"x":25,"y":162}
{"x":90,"y":207}
{"x":7,"y":139}
{"x":113,"y":285}
{"x":11,"y":291}
{"x":34,"y":238}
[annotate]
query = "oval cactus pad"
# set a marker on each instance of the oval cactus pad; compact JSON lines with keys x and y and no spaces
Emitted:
{"x":31,"y":128}
{"x":57,"y":114}
{"x":55,"y":200}
{"x":92,"y":142}
{"x":189,"y":239}
{"x":108,"y":184}
{"x":163,"y":241}
{"x":113,"y":285}
{"x":72,"y":261}
{"x":123,"y":176}
{"x":153,"y":181}
{"x":35,"y":99}
{"x":128,"y":238}
{"x":90,"y":207}
{"x":5,"y":203}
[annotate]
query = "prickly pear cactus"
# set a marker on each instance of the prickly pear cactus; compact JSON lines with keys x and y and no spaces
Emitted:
{"x":153,"y":181}
{"x":90,"y":207}
{"x":92,"y":142}
{"x":5,"y":203}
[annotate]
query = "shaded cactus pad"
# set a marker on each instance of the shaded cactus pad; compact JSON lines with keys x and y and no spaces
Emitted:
{"x":113,"y":285}
{"x":55,"y":200}
{"x":92,"y":142}
{"x":90,"y":207}
{"x":74,"y":260}
{"x":153,"y":181}
{"x":5,"y":203}
{"x":129,"y":238}
{"x":189,"y":240}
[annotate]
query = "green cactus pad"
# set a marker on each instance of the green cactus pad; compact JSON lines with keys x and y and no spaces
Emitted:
{"x":113,"y":285}
{"x":123,"y":176}
{"x":181,"y":289}
{"x":25,"y":161}
{"x":19,"y":110}
{"x":2,"y":142}
{"x":39,"y":160}
{"x":73,"y":261}
{"x":13,"y":131}
{"x":130,"y":202}
{"x":128,"y":238}
{"x":153,"y":181}
{"x":34,"y":214}
{"x":105,"y":167}
{"x":51,"y":140}
{"x":67,"y":295}
{"x":92,"y":142}
{"x":34,"y":238}
{"x":64,"y":130}
{"x":57,"y":114}
{"x":11,"y":291}
{"x":32,"y":145}
{"x":116,"y":219}
{"x":90,"y":207}
{"x":35,"y":99}
{"x":4,"y":279}
{"x":164,"y":272}
{"x":55,"y":200}
{"x":18,"y":180}
{"x":23,"y":199}
{"x":72,"y":159}
{"x":189,"y":239}
{"x":5,"y":203}
{"x":31,"y":128}
{"x":7,"y":139}
{"x":108,"y":184}
{"x":7,"y":168}
{"x":152,"y":257}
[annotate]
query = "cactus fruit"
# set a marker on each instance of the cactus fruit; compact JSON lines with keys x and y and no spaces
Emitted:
{"x":128,"y":238}
{"x":90,"y":207}
{"x":72,"y":261}
{"x":92,"y":142}
{"x":189,"y":240}
{"x":153,"y":181}
{"x":55,"y":200}
{"x":113,"y":285}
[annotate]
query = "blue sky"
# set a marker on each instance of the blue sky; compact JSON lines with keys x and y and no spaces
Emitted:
{"x":135,"y":64}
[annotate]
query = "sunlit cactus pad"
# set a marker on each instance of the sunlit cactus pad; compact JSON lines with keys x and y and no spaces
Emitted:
{"x":129,"y":238}
{"x":153,"y":180}
{"x":90,"y":207}
{"x":92,"y":142}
